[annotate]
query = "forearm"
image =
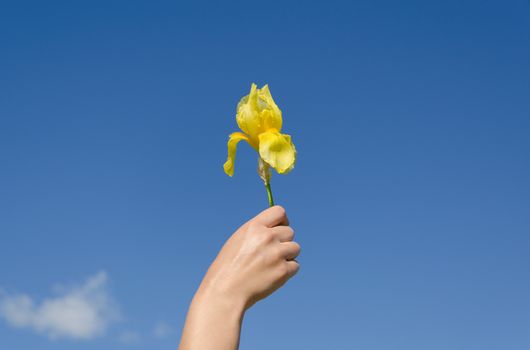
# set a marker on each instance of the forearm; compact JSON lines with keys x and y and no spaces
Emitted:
{"x":255,"y":261}
{"x":213,"y":322}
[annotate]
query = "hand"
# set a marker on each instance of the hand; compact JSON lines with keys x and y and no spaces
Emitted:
{"x":255,"y":261}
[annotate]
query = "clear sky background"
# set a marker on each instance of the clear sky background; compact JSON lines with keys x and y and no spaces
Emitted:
{"x":410,"y":197}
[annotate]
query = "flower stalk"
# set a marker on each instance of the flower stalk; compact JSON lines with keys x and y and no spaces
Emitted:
{"x":264,"y":171}
{"x":269,"y":194}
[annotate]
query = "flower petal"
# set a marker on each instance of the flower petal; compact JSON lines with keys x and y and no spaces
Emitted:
{"x":271,"y":115}
{"x":248,"y":116}
{"x":233,"y":140}
{"x":257,"y":112}
{"x":277,"y":150}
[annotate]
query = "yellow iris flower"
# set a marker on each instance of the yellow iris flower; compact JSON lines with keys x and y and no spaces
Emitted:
{"x":260,"y":121}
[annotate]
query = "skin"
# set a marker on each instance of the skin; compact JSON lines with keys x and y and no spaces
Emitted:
{"x":254,"y":262}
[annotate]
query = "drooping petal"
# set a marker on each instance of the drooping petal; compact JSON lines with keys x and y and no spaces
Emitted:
{"x":277,"y":150}
{"x":233,"y":140}
{"x":248,"y":117}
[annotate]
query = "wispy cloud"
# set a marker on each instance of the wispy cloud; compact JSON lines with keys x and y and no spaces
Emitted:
{"x":81,"y":312}
{"x":129,"y":337}
{"x":163,"y":330}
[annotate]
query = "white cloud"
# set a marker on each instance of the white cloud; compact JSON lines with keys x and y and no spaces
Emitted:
{"x":162,"y":330}
{"x":129,"y":337}
{"x":82,"y":312}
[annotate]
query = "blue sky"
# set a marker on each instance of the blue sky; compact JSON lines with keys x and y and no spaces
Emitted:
{"x":410,"y":197}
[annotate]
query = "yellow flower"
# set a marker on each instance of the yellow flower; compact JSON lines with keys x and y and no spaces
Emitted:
{"x":260,"y":119}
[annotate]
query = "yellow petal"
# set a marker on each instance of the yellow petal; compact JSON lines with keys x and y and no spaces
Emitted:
{"x":277,"y":150}
{"x":271,"y":115}
{"x":248,"y":116}
{"x":233,"y":140}
{"x":257,"y":112}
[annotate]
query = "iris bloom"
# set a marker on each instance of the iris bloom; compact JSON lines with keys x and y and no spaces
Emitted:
{"x":260,"y":121}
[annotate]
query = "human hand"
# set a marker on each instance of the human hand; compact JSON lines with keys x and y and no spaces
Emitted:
{"x":255,"y":261}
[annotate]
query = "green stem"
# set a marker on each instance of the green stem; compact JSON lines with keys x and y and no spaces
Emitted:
{"x":269,"y":194}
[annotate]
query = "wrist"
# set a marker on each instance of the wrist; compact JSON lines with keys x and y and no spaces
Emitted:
{"x":217,"y":299}
{"x":213,"y":321}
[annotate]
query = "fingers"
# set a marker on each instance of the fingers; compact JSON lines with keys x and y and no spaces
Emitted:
{"x":273,"y":216}
{"x":290,"y":250}
{"x":283,"y":233}
{"x":292,"y":267}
